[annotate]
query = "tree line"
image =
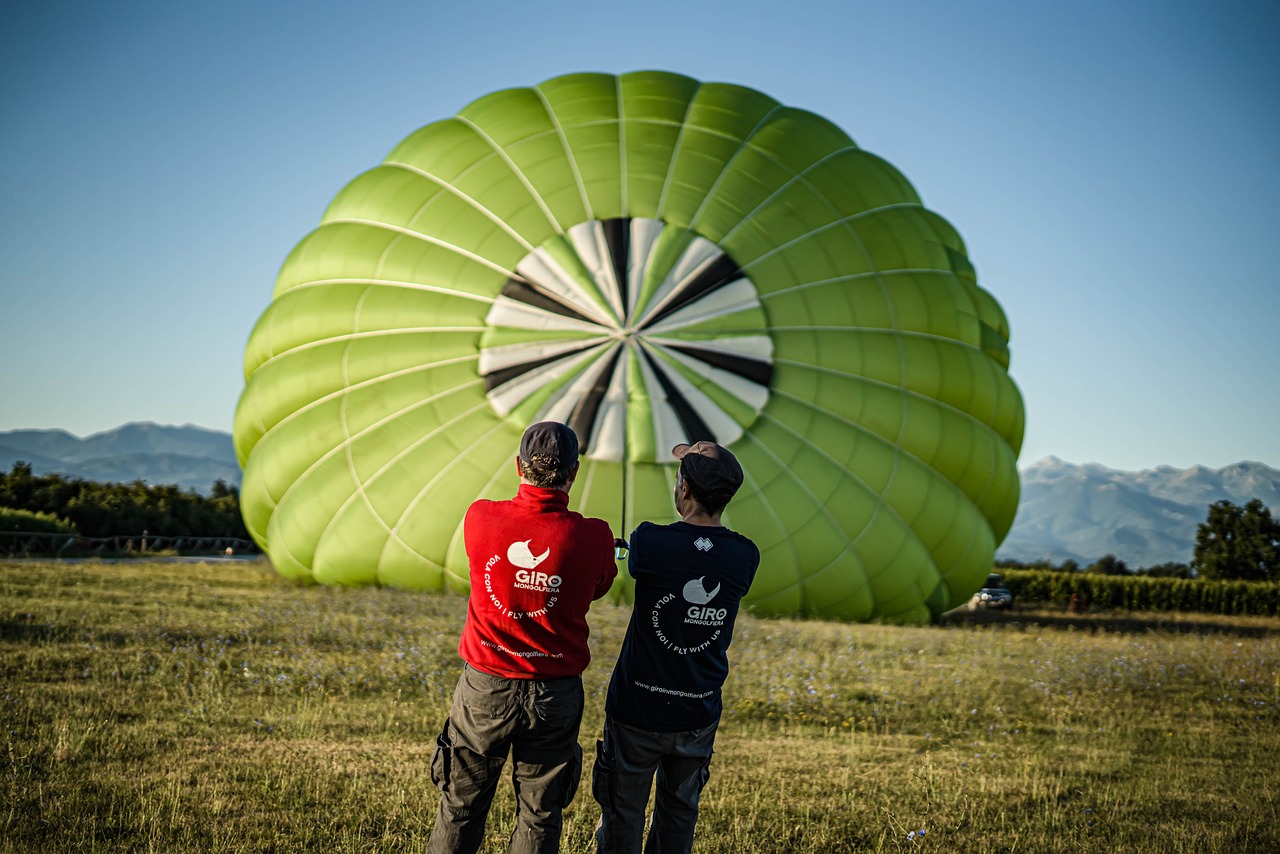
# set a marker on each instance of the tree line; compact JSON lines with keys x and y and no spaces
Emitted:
{"x":52,"y":503}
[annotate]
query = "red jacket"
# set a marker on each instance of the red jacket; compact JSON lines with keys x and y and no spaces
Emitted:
{"x":535,"y":569}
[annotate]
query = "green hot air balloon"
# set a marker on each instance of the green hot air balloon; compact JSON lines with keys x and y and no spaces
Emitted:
{"x":652,"y":260}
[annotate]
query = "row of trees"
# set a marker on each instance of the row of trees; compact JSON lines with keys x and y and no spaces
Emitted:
{"x":1240,"y":543}
{"x":53,"y":503}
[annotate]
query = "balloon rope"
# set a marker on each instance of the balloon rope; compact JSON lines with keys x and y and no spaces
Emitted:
{"x":626,"y":461}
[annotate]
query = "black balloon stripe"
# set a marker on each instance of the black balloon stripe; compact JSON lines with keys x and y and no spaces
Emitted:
{"x":696,"y":430}
{"x":755,"y":370}
{"x":583,"y":418}
{"x":522,"y":290}
{"x":493,"y":379}
{"x":720,"y":272}
{"x":617,"y":234}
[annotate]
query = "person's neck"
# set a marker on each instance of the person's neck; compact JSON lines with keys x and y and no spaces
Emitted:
{"x":564,"y":487}
{"x":698,"y":517}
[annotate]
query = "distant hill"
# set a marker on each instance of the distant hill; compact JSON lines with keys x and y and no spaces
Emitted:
{"x":1082,"y":512}
{"x":189,"y":456}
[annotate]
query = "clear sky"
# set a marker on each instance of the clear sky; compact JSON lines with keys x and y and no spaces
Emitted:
{"x":1114,"y":168}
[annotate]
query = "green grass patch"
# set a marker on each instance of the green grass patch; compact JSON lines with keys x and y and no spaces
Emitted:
{"x":170,"y":706}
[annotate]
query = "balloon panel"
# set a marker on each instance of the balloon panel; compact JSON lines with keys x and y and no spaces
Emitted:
{"x":652,"y":260}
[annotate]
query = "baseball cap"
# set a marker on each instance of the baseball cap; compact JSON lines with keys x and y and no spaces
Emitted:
{"x":551,"y":439}
{"x":712,"y":467}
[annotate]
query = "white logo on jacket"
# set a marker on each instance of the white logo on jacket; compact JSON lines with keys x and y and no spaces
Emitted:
{"x":702,"y":544}
{"x":696,"y":591}
{"x":702,"y":614}
{"x":520,"y":555}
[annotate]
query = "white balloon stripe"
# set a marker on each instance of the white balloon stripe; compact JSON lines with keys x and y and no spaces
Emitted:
{"x":496,"y":358}
{"x":506,"y":397}
{"x":752,"y":394}
{"x":644,"y":233}
{"x":560,"y":406}
{"x":758,"y":347}
{"x":722,"y":302}
{"x":667,"y":429}
{"x":608,"y":442}
{"x":700,"y":255}
{"x":508,"y":313}
{"x":589,"y":241}
{"x":722,"y":425}
{"x":542,"y":270}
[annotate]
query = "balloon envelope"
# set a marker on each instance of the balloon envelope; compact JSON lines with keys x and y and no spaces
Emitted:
{"x":652,"y":260}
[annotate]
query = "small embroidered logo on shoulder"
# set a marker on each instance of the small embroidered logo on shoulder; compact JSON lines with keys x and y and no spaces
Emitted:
{"x":702,"y":544}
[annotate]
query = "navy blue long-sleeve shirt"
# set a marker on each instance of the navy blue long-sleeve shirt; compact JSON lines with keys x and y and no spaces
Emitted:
{"x":690,"y":580}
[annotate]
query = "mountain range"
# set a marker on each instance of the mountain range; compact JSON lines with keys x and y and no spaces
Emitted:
{"x":189,"y":456}
{"x":1145,"y":518}
{"x":1067,"y":511}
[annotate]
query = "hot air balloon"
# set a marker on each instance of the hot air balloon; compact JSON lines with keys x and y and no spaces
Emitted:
{"x":652,"y":260}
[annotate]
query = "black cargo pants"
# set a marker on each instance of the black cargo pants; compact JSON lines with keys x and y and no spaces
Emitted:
{"x":537,"y":721}
{"x":626,"y":759}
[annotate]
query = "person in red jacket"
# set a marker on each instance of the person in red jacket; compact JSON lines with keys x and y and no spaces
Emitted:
{"x":536,"y":567}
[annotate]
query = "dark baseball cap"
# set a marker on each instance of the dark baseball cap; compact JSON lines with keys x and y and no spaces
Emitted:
{"x":712,"y":467}
{"x":551,"y":439}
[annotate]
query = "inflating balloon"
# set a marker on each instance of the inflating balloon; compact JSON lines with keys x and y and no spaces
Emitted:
{"x":651,"y":260}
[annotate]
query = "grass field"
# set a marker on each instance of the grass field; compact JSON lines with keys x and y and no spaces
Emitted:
{"x":176,"y":707}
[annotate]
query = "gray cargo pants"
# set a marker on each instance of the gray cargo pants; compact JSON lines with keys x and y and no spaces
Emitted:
{"x":626,"y":759}
{"x":537,"y":721}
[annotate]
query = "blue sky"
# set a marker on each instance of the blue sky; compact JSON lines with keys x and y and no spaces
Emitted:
{"x":1111,"y":166}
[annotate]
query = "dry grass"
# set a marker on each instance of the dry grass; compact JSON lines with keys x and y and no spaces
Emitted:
{"x":175,"y":707}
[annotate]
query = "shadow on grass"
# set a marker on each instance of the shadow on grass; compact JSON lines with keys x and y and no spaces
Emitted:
{"x":1111,"y":622}
{"x":23,"y":629}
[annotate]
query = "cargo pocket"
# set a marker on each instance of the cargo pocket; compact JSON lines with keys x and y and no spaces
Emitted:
{"x":442,"y":759}
{"x":602,"y":778}
{"x":704,"y":773}
{"x":572,"y":776}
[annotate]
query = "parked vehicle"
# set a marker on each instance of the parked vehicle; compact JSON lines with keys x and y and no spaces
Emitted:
{"x":992,"y":595}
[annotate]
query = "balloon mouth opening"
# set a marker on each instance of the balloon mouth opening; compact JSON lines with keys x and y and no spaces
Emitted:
{"x":637,"y":334}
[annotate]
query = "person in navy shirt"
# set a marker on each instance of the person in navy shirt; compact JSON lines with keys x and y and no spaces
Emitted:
{"x":664,"y":704}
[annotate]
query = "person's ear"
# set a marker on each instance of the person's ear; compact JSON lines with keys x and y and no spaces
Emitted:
{"x":573,"y":475}
{"x":519,"y":473}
